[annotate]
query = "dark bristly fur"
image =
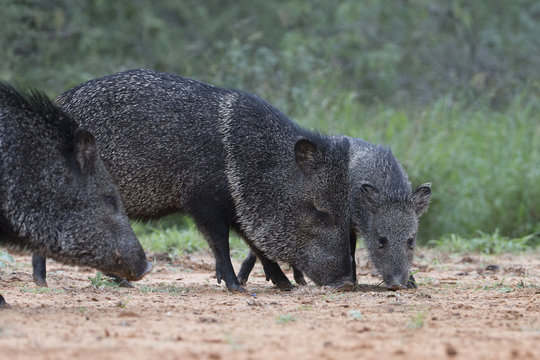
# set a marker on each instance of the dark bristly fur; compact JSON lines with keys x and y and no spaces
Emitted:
{"x":56,"y":197}
{"x":385,"y":212}
{"x":229,"y":160}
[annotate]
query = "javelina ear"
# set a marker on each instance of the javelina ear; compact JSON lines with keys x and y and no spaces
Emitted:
{"x":85,"y":151}
{"x":369,"y":195}
{"x":307,"y":156}
{"x":420,"y":198}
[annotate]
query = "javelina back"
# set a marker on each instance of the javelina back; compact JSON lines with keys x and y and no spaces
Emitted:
{"x":385,"y":213}
{"x":56,"y":197}
{"x":229,"y":160}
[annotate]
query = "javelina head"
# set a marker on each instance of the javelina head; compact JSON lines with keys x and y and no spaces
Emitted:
{"x":94,"y":228}
{"x":324,"y":219}
{"x":391,"y":231}
{"x":57,"y":197}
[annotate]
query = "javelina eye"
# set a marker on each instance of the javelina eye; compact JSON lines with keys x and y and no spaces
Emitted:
{"x":383,"y":241}
{"x":410,"y":243}
{"x":111,"y":201}
{"x":321,"y":216}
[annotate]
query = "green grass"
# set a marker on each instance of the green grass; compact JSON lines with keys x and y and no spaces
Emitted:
{"x":284,"y":319}
{"x":355,"y":314}
{"x":5,"y":260}
{"x":486,"y":243}
{"x":41,"y":290}
{"x":101,"y":280}
{"x":163,"y":288}
{"x":417,"y":321}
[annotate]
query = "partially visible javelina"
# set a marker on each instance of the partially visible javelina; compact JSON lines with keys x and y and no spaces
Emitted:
{"x":56,"y":197}
{"x":385,"y":213}
{"x":229,"y":160}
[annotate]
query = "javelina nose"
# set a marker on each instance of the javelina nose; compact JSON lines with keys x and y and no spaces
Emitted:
{"x":147,"y":269}
{"x":396,"y":282}
{"x":395,"y":287}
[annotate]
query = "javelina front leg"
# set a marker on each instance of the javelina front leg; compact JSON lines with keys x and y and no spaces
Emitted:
{"x":411,"y":284}
{"x":247,"y":266}
{"x":274,"y":273}
{"x":3,"y":303}
{"x":217,"y":236}
{"x":299,"y":277}
{"x":352,"y":243}
{"x":39,"y":270}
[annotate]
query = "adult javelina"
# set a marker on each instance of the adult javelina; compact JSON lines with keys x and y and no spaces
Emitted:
{"x":229,"y":160}
{"x":385,"y":213}
{"x":56,"y":197}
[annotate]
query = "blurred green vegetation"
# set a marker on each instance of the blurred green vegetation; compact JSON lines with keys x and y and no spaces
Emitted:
{"x":485,"y":243}
{"x":452,"y":86}
{"x":177,"y":235}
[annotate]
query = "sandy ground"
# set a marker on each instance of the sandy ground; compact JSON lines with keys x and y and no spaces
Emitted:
{"x":466,"y":307}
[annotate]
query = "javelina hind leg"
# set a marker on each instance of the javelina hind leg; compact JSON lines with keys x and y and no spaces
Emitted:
{"x":39,"y":270}
{"x":217,"y":235}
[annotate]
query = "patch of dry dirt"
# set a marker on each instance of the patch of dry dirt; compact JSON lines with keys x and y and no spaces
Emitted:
{"x":466,"y":307}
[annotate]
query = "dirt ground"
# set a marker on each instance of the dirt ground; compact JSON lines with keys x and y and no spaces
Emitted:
{"x":466,"y":307}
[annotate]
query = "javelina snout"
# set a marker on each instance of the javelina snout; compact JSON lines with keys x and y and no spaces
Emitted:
{"x":137,"y":265}
{"x":397,"y":282}
{"x":132,"y":265}
{"x":335,"y":269}
{"x":144,"y":269}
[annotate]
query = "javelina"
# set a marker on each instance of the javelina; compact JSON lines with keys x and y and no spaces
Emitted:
{"x":56,"y":197}
{"x":229,"y":160}
{"x":385,"y":213}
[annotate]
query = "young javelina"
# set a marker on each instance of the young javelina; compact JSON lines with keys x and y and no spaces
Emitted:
{"x":229,"y":160}
{"x":56,"y":197}
{"x":385,"y":213}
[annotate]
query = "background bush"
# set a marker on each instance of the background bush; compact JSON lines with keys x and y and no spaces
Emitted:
{"x":452,"y":86}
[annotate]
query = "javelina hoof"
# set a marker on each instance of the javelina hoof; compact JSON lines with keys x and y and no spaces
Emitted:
{"x":285,"y":285}
{"x":3,"y":303}
{"x":242,"y":281}
{"x":120,"y":281}
{"x":236,"y":288}
{"x":125,"y":284}
{"x":39,"y":281}
{"x":411,"y":284}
